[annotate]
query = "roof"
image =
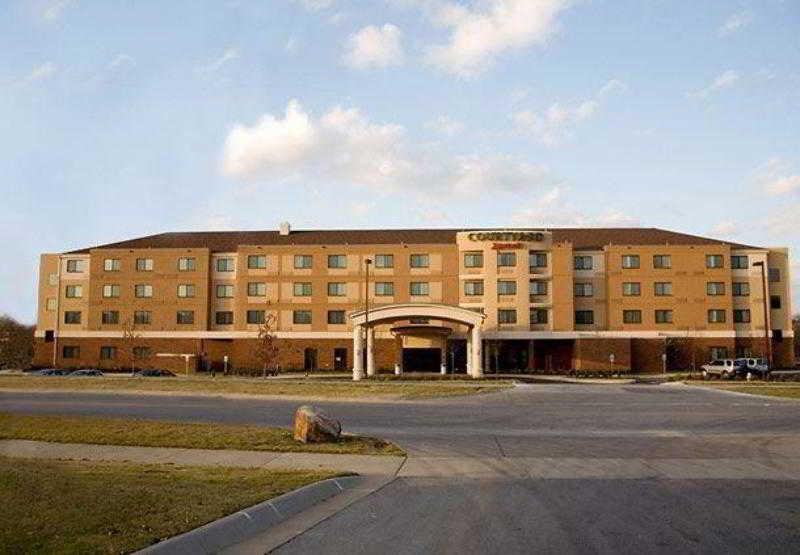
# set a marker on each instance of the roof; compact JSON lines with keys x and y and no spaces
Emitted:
{"x":227,"y":241}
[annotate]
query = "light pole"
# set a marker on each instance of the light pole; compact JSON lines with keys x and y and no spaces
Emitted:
{"x":766,"y":310}
{"x":367,"y":262}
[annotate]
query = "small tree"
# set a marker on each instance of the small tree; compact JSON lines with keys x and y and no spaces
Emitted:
{"x":268,"y":348}
{"x":796,"y":328}
{"x":129,"y":338}
{"x":16,"y":343}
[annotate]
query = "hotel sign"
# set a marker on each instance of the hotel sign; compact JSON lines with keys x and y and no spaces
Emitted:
{"x":507,"y":236}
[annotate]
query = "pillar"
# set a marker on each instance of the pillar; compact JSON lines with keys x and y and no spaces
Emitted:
{"x":358,"y":353}
{"x":398,"y":354}
{"x":477,"y":354}
{"x":443,"y":357}
{"x":469,"y":353}
{"x":370,"y":351}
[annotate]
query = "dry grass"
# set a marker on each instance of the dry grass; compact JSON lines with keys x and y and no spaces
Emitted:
{"x":787,"y":391}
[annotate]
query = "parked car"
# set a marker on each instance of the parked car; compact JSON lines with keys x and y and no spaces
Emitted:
{"x":724,"y":368}
{"x":154,"y":373}
{"x":86,"y":372}
{"x":51,"y":372}
{"x":754,"y":367}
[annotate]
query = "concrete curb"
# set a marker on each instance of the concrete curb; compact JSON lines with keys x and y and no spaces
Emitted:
{"x":238,"y":527}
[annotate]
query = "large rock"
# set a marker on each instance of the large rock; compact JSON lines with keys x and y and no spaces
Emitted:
{"x":313,"y":426}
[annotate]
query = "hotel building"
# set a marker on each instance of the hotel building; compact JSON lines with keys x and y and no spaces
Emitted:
{"x":476,"y":301}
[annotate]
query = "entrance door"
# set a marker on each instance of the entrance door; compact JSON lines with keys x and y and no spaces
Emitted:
{"x":422,"y":359}
{"x":340,"y":359}
{"x":310,"y":359}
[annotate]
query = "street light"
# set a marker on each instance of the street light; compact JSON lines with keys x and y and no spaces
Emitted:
{"x":766,"y":310}
{"x":367,"y":262}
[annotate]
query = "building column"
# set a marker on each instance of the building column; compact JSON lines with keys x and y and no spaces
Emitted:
{"x":477,"y":354}
{"x":358,"y":353}
{"x":531,"y":356}
{"x":370,"y":351}
{"x":443,"y":356}
{"x":469,"y":352}
{"x":398,"y":354}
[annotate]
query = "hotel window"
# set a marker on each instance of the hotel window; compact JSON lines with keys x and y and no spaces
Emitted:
{"x":741,"y":289}
{"x":715,"y":288}
{"x":775,"y":302}
{"x":630,"y":261}
{"x":537,"y":259}
{"x":538,"y":316}
{"x":52,"y":279}
{"x":631,"y":289}
{"x":584,"y":290}
{"x":111,"y":265}
{"x":473,"y":288}
{"x":473,"y":260}
{"x":420,"y":261}
{"x":302,"y":289}
{"x":741,"y":316}
{"x":337,"y":289}
{"x":225,"y":264}
{"x":74,"y":291}
{"x":583,"y":262}
{"x":506,"y":259}
{"x":662,"y":261}
{"x":257,"y":262}
{"x":714,"y":261}
{"x":186,"y":290}
{"x":663,"y":316}
{"x":111,"y":291}
{"x":336,"y":317}
{"x":718,"y":352}
{"x":384,"y":289}
{"x":224,"y":318}
{"x":537,"y":288}
{"x":224,"y":291}
{"x":75,"y":266}
{"x":506,"y":316}
{"x":584,"y":317}
{"x":143,"y":290}
{"x":337,"y":261}
{"x":774,"y":275}
{"x":186,"y":264}
{"x":109,"y":317}
{"x":144,"y":264}
{"x":740,"y":262}
{"x":51,"y":304}
{"x":506,"y":287}
{"x":419,"y":288}
{"x":301,"y":317}
{"x":71,"y":351}
{"x":716,"y":316}
{"x":384,"y":261}
{"x":632,"y":316}
{"x":141,"y":352}
{"x":185,"y":317}
{"x":662,"y":289}
{"x":256,"y":289}
{"x":143,"y":317}
{"x":72,"y":317}
{"x":256,"y":316}
{"x":108,"y":353}
{"x":303,"y":261}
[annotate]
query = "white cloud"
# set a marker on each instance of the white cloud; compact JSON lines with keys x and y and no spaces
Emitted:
{"x":785,"y":223}
{"x":776,"y":177}
{"x":723,"y":81}
{"x":735,"y":22}
{"x":39,"y":73}
{"x":52,"y":11}
{"x":120,"y":61}
{"x":292,"y":46}
{"x":445,"y":126}
{"x":374,"y":46}
{"x":315,"y":5}
{"x":214,"y":65}
{"x":486,"y":29}
{"x":552,"y":210}
{"x":725,"y":228}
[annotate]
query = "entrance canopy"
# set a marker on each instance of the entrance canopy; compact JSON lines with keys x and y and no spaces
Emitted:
{"x":394,"y":312}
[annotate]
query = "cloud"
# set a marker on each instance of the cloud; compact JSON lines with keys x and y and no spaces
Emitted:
{"x":39,"y":73}
{"x":735,"y":22}
{"x":214,"y":65}
{"x":52,"y":11}
{"x":445,"y":126}
{"x":557,"y":123}
{"x":776,"y":178}
{"x":725,"y":228}
{"x":292,"y":46}
{"x":487,"y":29}
{"x":315,"y":5}
{"x":723,"y":81}
{"x":374,"y":46}
{"x":552,"y":210}
{"x":785,"y":223}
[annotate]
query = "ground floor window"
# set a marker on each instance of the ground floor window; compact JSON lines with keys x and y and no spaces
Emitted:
{"x":71,"y":351}
{"x":141,"y":352}
{"x":310,"y":359}
{"x":718,"y":352}
{"x":340,"y":359}
{"x":108,"y":353}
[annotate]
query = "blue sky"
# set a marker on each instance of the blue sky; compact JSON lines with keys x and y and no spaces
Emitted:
{"x":120,"y":119}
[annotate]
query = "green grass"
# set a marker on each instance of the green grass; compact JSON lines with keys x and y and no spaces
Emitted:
{"x":154,"y":433}
{"x":91,"y":507}
{"x":788,"y":391}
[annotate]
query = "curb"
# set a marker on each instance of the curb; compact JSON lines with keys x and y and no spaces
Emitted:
{"x":238,"y":527}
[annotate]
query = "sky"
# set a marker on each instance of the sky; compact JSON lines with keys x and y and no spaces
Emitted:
{"x":120,"y":119}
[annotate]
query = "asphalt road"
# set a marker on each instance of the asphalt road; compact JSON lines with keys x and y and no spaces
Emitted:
{"x":543,"y":468}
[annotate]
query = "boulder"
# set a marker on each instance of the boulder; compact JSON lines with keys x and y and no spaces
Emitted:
{"x":313,"y":426}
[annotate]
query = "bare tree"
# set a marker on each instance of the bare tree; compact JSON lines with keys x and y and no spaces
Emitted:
{"x":129,"y":337}
{"x":796,"y":328}
{"x":16,"y":343}
{"x":268,"y":347}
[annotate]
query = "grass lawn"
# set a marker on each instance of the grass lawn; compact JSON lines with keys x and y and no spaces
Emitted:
{"x":789,"y":391}
{"x":305,"y":389}
{"x":154,"y":433}
{"x":92,"y":507}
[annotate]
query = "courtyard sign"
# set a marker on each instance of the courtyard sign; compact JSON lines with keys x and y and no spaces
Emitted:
{"x":506,"y":236}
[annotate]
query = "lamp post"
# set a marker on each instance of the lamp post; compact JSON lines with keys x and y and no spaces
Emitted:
{"x":766,"y":310}
{"x":367,"y":262}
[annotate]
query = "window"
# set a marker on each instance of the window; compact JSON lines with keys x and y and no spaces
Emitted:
{"x":301,"y":317}
{"x":51,"y":304}
{"x":506,"y":287}
{"x":662,"y":289}
{"x":256,"y":289}
{"x":506,"y":259}
{"x":473,"y":288}
{"x":419,"y":288}
{"x":715,"y":288}
{"x":774,"y":302}
{"x":75,"y":266}
{"x":186,"y":290}
{"x":71,"y":351}
{"x":583,"y":262}
{"x":537,"y":259}
{"x":72,"y":317}
{"x":584,"y":317}
{"x":741,"y":316}
{"x":631,"y":288}
{"x":420,"y":261}
{"x":256,"y":316}
{"x":224,"y":291}
{"x":662,"y":261}
{"x":714,"y":261}
{"x":337,"y":261}
{"x":185,"y":317}
{"x":225,"y":264}
{"x":337,"y":289}
{"x":718,"y":352}
{"x":223,"y":318}
{"x":473,"y":260}
{"x":537,"y":288}
{"x":74,"y":291}
{"x":741,"y":288}
{"x":538,"y":316}
{"x":303,"y":261}
{"x":663,"y":316}
{"x":143,"y":290}
{"x":143,"y":317}
{"x":111,"y":291}
{"x":111,"y":265}
{"x":774,"y":275}
{"x":384,"y":288}
{"x":302,"y":289}
{"x":186,"y":264}
{"x":506,"y":316}
{"x":336,"y":317}
{"x":632,"y":316}
{"x":384,"y":261}
{"x":740,"y":262}
{"x":144,"y":264}
{"x":630,"y":261}
{"x":257,"y":262}
{"x":108,"y":353}
{"x":716,"y":316}
{"x":141,"y":352}
{"x":109,"y":317}
{"x":52,"y":279}
{"x":584,"y":290}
